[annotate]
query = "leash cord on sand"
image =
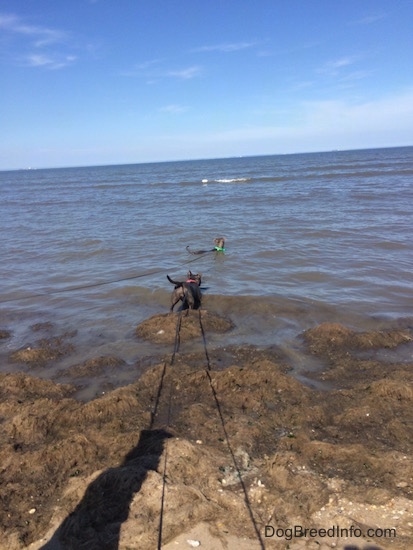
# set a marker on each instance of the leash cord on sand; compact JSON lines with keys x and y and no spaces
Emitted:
{"x":168,"y":422}
{"x":221,"y":417}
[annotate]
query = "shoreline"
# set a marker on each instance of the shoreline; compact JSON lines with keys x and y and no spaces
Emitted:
{"x":99,"y":355}
{"x":242,"y":437}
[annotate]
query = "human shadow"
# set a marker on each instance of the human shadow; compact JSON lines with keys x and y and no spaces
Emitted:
{"x":96,"y":521}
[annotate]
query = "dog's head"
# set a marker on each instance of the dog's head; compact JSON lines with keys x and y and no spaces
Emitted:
{"x":219,"y":242}
{"x":194,"y":278}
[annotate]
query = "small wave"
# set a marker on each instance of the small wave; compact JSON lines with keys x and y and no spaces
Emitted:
{"x":232,"y":180}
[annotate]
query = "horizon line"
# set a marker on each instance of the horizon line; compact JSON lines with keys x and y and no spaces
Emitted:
{"x":323,"y":151}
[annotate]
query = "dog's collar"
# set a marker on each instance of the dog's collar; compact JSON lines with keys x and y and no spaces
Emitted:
{"x":191,"y":281}
{"x":219,"y":249}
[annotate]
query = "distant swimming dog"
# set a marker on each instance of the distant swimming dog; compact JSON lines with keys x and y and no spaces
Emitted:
{"x":219,"y":243}
{"x":188,"y":292}
{"x":219,"y":246}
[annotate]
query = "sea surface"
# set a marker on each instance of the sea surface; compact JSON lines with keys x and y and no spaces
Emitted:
{"x":309,"y":238}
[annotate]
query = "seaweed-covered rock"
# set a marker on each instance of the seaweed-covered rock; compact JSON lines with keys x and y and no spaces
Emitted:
{"x":163,"y":328}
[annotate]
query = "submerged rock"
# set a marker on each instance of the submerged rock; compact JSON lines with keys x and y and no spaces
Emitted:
{"x":163,"y":328}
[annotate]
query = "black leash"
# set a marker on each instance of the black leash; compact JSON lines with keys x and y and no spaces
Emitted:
{"x":221,"y":417}
{"x":200,"y":251}
{"x":92,"y":285}
{"x":208,"y":370}
{"x":168,"y":422}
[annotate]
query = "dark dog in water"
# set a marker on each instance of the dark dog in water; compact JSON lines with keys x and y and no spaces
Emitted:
{"x":188,"y":292}
{"x":219,"y":246}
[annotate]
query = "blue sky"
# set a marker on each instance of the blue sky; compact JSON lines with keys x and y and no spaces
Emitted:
{"x":91,"y":82}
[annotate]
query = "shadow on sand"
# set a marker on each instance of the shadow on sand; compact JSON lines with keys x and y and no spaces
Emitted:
{"x":96,"y":521}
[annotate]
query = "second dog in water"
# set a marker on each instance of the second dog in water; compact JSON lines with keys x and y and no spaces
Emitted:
{"x":219,"y":246}
{"x":188,"y":292}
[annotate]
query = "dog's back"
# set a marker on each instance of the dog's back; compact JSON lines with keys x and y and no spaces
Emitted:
{"x":188,"y":292}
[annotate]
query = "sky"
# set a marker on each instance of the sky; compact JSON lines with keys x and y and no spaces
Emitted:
{"x":98,"y":82}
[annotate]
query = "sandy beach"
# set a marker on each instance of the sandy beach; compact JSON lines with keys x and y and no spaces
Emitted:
{"x":226,"y":445}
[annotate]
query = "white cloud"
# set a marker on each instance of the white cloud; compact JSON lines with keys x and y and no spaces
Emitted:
{"x":369,"y":19}
{"x":7,"y":21}
{"x":356,"y":75}
{"x":226,"y":47}
{"x":35,"y":46}
{"x":317,"y":126}
{"x":173,"y":109}
{"x":41,"y":60}
{"x":185,"y":74}
{"x":147,"y":65}
{"x":42,"y":36}
{"x":153,"y":73}
{"x":333,"y":67}
{"x":382,"y":115}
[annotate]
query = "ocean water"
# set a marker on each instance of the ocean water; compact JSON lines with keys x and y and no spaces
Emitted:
{"x":309,"y":238}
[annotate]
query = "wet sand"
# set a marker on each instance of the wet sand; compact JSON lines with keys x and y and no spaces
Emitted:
{"x":248,"y":452}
